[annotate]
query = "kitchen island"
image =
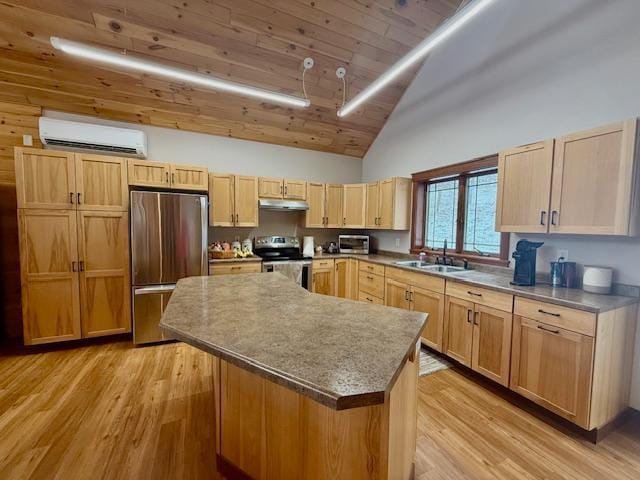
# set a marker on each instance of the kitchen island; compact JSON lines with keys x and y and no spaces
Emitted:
{"x":306,"y":386}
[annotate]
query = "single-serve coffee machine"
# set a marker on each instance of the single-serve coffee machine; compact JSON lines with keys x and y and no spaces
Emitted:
{"x":525,"y":257}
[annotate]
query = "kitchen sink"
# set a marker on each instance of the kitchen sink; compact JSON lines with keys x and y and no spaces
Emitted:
{"x":412,"y":263}
{"x":442,"y":268}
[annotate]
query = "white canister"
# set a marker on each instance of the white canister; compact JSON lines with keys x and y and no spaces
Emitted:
{"x":307,"y":247}
{"x":597,"y":279}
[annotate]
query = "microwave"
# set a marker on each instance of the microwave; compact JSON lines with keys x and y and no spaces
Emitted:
{"x":353,"y":244}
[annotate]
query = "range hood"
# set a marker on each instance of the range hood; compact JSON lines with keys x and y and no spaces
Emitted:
{"x":283,"y":204}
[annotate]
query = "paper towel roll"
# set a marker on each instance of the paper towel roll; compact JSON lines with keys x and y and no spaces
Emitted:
{"x":307,"y":247}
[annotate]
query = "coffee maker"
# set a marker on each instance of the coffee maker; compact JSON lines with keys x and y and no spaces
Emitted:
{"x":525,"y":257}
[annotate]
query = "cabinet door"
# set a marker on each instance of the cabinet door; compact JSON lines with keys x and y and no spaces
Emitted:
{"x":492,"y":343}
{"x":271,"y":187}
{"x":246,"y":201}
{"x":315,"y":216}
{"x":432,"y":303}
{"x":334,"y":206}
{"x":459,"y":329}
{"x":221,"y":198}
{"x":342,"y":281}
{"x":105,"y":295}
{"x":396,"y":294}
{"x":49,"y":278}
{"x":372,"y":204}
{"x":45,"y":179}
{"x":524,"y":188}
{"x":101,"y":183}
{"x":593,"y":179}
{"x":323,"y":281}
{"x":355,"y":196}
{"x":144,"y":173}
{"x":553,"y":367}
{"x":295,"y":190}
{"x":186,"y":177}
{"x":386,"y":204}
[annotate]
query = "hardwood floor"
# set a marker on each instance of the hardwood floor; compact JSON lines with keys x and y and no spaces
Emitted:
{"x":111,"y":411}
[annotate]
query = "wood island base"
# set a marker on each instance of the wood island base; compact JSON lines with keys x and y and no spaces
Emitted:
{"x":266,"y":431}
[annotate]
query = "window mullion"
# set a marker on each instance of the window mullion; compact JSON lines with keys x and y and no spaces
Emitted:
{"x":462,"y":205}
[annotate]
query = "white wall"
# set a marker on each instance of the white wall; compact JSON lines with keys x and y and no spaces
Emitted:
{"x":230,"y":155}
{"x":522,"y":72}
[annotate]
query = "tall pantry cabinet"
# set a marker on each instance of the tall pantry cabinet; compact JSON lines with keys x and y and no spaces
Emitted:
{"x":74,"y":245}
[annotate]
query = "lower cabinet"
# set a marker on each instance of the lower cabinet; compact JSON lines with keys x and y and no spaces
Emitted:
{"x":479,"y":337}
{"x":74,"y":274}
{"x":323,"y":277}
{"x":346,"y":278}
{"x":552,"y":366}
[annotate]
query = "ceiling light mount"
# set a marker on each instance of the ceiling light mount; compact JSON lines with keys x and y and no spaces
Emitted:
{"x":109,"y":57}
{"x":341,"y":72}
{"x":417,"y":53}
{"x":308,"y":63}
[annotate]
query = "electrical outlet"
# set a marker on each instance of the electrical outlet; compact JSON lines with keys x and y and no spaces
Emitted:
{"x":27,"y":140}
{"x":397,"y":243}
{"x":564,"y":253}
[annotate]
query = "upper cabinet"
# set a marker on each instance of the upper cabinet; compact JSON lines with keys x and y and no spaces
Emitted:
{"x":144,"y":173}
{"x":325,"y":205}
{"x":353,"y":208}
{"x":584,"y":183}
{"x":52,"y":179}
{"x":388,"y":204}
{"x":233,"y":200}
{"x":282,"y":189}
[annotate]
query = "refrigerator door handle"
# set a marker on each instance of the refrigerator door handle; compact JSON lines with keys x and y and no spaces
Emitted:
{"x":205,"y":230}
{"x":153,"y":289}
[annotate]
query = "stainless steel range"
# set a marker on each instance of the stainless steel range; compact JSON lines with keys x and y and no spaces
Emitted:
{"x":282,"y":254}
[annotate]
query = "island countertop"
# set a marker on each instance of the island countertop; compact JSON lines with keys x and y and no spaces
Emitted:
{"x":343,"y":354}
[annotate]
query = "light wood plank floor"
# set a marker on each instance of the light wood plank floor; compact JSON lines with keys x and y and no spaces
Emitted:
{"x":115,"y":412}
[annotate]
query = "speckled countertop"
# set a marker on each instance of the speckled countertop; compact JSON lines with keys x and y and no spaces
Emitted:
{"x":567,"y":297}
{"x":342,"y":353}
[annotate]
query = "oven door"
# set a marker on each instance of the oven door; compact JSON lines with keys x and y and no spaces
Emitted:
{"x":298,"y":271}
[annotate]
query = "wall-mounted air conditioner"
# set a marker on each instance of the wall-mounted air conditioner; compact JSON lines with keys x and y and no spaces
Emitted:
{"x":87,"y":136}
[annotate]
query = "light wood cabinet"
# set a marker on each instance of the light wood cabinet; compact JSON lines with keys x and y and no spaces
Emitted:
{"x":279,"y":188}
{"x":584,"y":183}
{"x":552,"y":366}
{"x":189,"y":177}
{"x":315,"y":216}
{"x":396,"y":294}
{"x":459,"y":330}
{"x":388,"y":204}
{"x":295,"y":190}
{"x":594,"y":178}
{"x":371,"y":282}
{"x":145,"y":173}
{"x":346,"y":278}
{"x":491,"y":352}
{"x":235,"y":268}
{"x":323,"y":276}
{"x":101,"y":183}
{"x":45,"y":179}
{"x":233,"y":200}
{"x":49,"y":278}
{"x":105,"y":295}
{"x":354,"y":206}
{"x":333,"y":205}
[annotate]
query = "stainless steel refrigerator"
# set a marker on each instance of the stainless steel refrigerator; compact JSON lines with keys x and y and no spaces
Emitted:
{"x":168,"y":242}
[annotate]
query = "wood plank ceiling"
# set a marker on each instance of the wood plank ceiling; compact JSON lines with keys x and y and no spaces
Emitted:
{"x":257,"y":42}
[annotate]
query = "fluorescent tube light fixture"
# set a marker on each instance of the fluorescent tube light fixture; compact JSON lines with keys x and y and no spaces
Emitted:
{"x":102,"y":55}
{"x":416,"y":54}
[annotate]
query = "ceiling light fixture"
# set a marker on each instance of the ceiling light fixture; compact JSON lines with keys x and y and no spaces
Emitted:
{"x":416,"y":54}
{"x":109,"y":57}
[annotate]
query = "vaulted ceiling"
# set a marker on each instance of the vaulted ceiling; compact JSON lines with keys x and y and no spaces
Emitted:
{"x":257,"y":42}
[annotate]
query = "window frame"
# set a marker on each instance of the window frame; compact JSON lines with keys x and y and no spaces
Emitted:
{"x":463,"y":171}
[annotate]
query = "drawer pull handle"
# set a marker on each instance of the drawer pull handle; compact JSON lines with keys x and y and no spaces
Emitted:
{"x":474,"y":294}
{"x":548,"y":313}
{"x":236,"y":268}
{"x":369,"y":277}
{"x":370,"y":299}
{"x":548,"y":329}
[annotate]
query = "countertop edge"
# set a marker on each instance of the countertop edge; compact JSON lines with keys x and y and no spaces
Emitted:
{"x":321,"y":396}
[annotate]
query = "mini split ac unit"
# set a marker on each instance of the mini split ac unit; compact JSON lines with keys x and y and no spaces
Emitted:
{"x":87,"y":136}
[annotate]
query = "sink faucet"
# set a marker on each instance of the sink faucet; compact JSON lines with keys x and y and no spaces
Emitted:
{"x":444,"y":255}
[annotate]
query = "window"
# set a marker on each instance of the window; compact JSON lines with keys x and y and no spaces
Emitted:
{"x":457,"y":205}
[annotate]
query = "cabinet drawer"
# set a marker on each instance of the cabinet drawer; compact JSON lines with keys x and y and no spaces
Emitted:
{"x":323,"y":264}
{"x":563,"y":317}
{"x":365,"y":297}
{"x":233,"y":268}
{"x":420,"y":280}
{"x":371,"y":283}
{"x":371,"y":268}
{"x":481,"y":296}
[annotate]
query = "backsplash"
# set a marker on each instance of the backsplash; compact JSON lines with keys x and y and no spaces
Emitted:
{"x":273,"y":222}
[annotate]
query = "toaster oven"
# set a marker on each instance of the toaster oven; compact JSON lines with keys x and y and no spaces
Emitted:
{"x":353,"y":244}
